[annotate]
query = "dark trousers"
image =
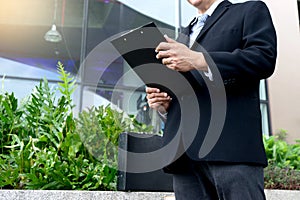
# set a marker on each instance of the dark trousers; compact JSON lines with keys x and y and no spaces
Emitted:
{"x":216,"y":181}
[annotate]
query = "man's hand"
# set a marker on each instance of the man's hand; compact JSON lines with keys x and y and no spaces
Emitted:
{"x":179,"y":57}
{"x":158,"y":100}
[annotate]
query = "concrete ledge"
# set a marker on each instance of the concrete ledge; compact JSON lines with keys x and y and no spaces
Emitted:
{"x":282,"y":194}
{"x":111,"y":195}
{"x":79,"y":195}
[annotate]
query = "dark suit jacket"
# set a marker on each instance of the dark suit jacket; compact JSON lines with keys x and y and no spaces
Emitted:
{"x":241,"y":40}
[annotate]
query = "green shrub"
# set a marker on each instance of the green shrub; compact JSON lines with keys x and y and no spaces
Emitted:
{"x":43,"y":146}
{"x":10,"y":119}
{"x":281,"y":178}
{"x":283,"y":171}
{"x":281,"y":153}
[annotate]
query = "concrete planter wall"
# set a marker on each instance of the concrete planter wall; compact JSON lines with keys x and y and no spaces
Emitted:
{"x":111,"y":195}
{"x":282,"y":194}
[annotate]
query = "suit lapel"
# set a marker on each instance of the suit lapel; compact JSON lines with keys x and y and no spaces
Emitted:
{"x":183,"y":36}
{"x":220,"y":10}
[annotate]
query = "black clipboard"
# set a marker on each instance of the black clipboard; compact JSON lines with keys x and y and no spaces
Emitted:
{"x":137,"y":47}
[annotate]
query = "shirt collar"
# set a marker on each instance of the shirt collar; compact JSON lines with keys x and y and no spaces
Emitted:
{"x":212,"y":8}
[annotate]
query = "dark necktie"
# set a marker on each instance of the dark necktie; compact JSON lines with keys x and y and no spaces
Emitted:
{"x":196,"y":26}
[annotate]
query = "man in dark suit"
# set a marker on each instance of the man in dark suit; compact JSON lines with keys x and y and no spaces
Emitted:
{"x":236,"y":44}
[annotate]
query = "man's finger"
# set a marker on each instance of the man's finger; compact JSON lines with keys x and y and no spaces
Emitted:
{"x":152,"y":90}
{"x":169,"y":40}
{"x":167,"y":61}
{"x":163,"y":46}
{"x":163,"y":54}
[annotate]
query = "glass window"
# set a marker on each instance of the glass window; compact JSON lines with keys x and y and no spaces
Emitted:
{"x":265,"y":118}
{"x":264,"y":107}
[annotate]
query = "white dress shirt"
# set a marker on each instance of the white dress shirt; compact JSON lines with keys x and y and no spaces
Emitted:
{"x":196,"y":29}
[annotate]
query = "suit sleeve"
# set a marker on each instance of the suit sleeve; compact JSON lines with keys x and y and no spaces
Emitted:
{"x":256,"y":58}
